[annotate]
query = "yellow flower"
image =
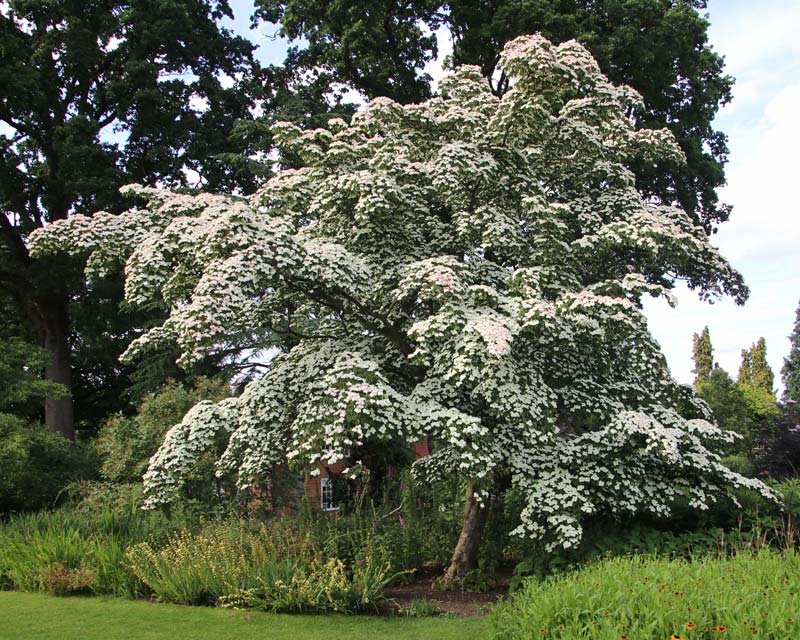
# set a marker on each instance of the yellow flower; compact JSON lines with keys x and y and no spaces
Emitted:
{"x":691,"y":626}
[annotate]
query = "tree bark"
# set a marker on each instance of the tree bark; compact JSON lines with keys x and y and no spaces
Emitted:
{"x":53,"y":329}
{"x":48,"y":315}
{"x":465,"y":556}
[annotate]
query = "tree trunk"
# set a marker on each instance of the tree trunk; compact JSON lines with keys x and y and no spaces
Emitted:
{"x":465,"y":556}
{"x":54,"y":332}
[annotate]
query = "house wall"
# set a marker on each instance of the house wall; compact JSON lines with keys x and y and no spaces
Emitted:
{"x":313,"y":485}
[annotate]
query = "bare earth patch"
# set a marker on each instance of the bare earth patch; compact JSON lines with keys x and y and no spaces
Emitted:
{"x":459,"y":603}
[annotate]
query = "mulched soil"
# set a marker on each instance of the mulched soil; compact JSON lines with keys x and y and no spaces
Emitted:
{"x":460,"y":603}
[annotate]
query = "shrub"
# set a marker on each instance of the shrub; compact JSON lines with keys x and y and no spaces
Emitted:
{"x":126,"y":444}
{"x":59,"y":580}
{"x":642,"y":598}
{"x":36,"y":465}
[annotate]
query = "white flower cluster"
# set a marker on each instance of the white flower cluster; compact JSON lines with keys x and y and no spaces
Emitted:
{"x":468,"y":269}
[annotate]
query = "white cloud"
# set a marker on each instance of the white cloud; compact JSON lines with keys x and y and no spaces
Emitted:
{"x":750,"y":34}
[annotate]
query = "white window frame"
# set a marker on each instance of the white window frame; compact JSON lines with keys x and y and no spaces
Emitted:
{"x":326,"y":497}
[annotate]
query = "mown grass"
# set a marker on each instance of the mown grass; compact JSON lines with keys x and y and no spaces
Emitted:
{"x":26,"y":616}
{"x":752,"y":595}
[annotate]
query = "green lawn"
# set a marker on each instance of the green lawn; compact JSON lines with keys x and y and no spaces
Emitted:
{"x":41,"y":617}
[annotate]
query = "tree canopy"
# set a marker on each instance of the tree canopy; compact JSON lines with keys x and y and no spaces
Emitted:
{"x":659,"y":47}
{"x":469,"y":268}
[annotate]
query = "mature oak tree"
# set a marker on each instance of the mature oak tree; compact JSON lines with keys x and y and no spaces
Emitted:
{"x":659,"y":47}
{"x":72,"y":72}
{"x":469,"y":269}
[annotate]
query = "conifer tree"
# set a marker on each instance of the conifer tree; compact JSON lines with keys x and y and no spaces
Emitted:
{"x":763,"y":377}
{"x":756,"y":380}
{"x":703,"y":356}
{"x":790,"y":372}
{"x":755,"y":370}
{"x":745,"y":376}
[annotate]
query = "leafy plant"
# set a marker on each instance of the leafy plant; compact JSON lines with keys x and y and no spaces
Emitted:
{"x":422,"y":608}
{"x":644,"y":598}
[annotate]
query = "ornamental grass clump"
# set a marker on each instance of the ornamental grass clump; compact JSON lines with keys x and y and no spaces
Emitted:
{"x":643,"y":598}
{"x":468,"y":269}
{"x":46,"y":548}
{"x":269,"y":567}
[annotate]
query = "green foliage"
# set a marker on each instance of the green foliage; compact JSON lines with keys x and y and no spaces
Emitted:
{"x":731,"y":408}
{"x":351,"y":44}
{"x":703,"y":356}
{"x":755,"y":371}
{"x":36,"y":465}
{"x":416,"y":524}
{"x":659,"y":48}
{"x":728,"y":529}
{"x":38,"y":549}
{"x":779,"y":456}
{"x":422,"y":608}
{"x":750,"y":595}
{"x":760,"y":402}
{"x":274,"y":567}
{"x":741,"y":464}
{"x":616,"y":539}
{"x":790,"y":372}
{"x":125,"y":444}
{"x":21,"y":386}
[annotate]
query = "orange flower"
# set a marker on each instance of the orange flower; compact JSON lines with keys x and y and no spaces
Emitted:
{"x":691,"y":626}
{"x":720,"y":628}
{"x":752,"y":627}
{"x":674,"y":637}
{"x":623,"y":637}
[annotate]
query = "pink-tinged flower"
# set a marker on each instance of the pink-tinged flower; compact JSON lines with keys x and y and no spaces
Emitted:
{"x":402,"y":522}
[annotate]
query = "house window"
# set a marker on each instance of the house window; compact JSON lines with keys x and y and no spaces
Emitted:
{"x":326,"y":494}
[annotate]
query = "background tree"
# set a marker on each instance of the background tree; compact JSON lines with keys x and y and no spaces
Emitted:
{"x":756,"y":381}
{"x":659,"y":47}
{"x":731,"y":410}
{"x":72,"y":76}
{"x":790,"y":372}
{"x":468,"y":269}
{"x":703,"y":356}
{"x":755,"y":370}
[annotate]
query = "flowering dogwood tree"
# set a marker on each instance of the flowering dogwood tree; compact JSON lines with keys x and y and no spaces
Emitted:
{"x":468,"y":269}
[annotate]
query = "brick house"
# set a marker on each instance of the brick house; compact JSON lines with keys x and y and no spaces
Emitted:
{"x":319,"y":489}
